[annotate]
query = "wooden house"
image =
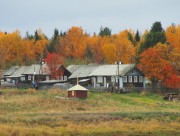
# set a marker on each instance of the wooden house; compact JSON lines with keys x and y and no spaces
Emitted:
{"x":124,"y":75}
{"x":77,"y":91}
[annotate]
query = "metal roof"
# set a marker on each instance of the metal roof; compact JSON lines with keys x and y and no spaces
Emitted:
{"x":77,"y":88}
{"x":111,"y":70}
{"x":10,"y":71}
{"x":83,"y":71}
{"x":37,"y":69}
{"x":73,"y":68}
{"x":101,"y":70}
{"x":18,"y":72}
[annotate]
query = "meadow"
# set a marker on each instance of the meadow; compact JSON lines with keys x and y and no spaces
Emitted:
{"x":27,"y":112}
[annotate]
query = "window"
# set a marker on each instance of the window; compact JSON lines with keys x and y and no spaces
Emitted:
{"x":22,"y":78}
{"x":29,"y":77}
{"x":112,"y":79}
{"x":135,"y":79}
{"x":116,"y":79}
{"x":65,"y":78}
{"x":130,"y":79}
{"x":140,"y":78}
{"x":99,"y":79}
{"x":61,"y":78}
{"x":125,"y":79}
{"x":47,"y":77}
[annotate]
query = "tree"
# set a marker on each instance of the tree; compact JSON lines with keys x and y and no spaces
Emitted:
{"x":74,"y":43}
{"x":158,"y":70}
{"x":54,"y":42}
{"x":36,"y":36}
{"x":137,"y":37}
{"x":28,"y":36}
{"x":88,"y":54}
{"x":155,"y":36}
{"x":53,"y":60}
{"x":173,"y":39}
{"x":95,"y":44}
{"x":104,"y":31}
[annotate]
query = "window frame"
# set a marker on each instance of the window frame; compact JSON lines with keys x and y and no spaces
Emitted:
{"x":141,"y":79}
{"x":99,"y":79}
{"x":135,"y":79}
{"x":130,"y":79}
{"x":125,"y":79}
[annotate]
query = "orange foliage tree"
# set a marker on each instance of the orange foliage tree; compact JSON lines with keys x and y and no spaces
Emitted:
{"x":74,"y":43}
{"x":173,"y":38}
{"x":95,"y":45}
{"x":156,"y":69}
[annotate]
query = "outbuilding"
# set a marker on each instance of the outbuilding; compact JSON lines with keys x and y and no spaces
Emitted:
{"x":77,"y":91}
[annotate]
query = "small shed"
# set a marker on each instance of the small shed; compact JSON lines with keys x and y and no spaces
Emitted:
{"x":77,"y":91}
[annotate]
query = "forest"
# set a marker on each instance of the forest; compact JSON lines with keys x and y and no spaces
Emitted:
{"x":156,"y":52}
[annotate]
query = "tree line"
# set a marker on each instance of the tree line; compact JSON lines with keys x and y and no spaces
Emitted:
{"x":155,"y":52}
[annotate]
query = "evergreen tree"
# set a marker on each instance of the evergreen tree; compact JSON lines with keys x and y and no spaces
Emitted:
{"x":88,"y":54}
{"x":55,"y":42}
{"x":137,"y":37}
{"x":155,"y":35}
{"x":28,"y":36}
{"x":104,"y":31}
{"x":36,"y":36}
{"x":130,"y":37}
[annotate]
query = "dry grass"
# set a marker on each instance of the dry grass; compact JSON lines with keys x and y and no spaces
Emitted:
{"x":31,"y":112}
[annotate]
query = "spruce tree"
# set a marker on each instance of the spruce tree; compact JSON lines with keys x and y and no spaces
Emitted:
{"x":155,"y":36}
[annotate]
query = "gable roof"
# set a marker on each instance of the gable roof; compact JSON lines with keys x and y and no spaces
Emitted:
{"x":101,"y":70}
{"x":10,"y":71}
{"x":73,"y":68}
{"x":37,"y":69}
{"x":18,"y":72}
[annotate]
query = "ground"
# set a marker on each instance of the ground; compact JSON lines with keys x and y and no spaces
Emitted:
{"x":33,"y":113}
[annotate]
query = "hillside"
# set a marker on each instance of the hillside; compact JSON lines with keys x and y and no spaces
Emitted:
{"x":30,"y":112}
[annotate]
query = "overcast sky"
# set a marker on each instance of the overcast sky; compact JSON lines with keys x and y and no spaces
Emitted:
{"x":29,"y":15}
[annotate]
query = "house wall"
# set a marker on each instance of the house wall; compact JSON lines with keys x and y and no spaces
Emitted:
{"x":77,"y":94}
{"x":134,"y":78}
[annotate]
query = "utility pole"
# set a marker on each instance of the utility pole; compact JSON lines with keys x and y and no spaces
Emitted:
{"x":118,"y":76}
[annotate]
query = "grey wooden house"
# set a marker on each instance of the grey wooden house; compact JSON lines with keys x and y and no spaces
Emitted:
{"x":126,"y":75}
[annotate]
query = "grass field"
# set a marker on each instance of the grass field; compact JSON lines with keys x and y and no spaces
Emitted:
{"x":26,"y":112}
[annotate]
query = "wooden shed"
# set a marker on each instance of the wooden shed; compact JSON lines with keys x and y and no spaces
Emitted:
{"x":77,"y":91}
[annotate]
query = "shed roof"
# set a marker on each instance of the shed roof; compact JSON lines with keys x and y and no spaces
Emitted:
{"x":77,"y":88}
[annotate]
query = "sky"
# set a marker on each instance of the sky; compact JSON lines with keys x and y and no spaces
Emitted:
{"x":118,"y":15}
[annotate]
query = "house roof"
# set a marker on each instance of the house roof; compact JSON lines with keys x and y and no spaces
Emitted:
{"x":112,"y":70}
{"x":77,"y":88}
{"x":10,"y":71}
{"x":18,"y":72}
{"x":101,"y":70}
{"x":73,"y":68}
{"x":37,"y":69}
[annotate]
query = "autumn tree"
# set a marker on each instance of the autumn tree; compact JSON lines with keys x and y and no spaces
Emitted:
{"x":95,"y":44}
{"x":53,"y":61}
{"x":173,"y":39}
{"x":125,"y":49}
{"x":74,"y":43}
{"x":156,"y":68}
